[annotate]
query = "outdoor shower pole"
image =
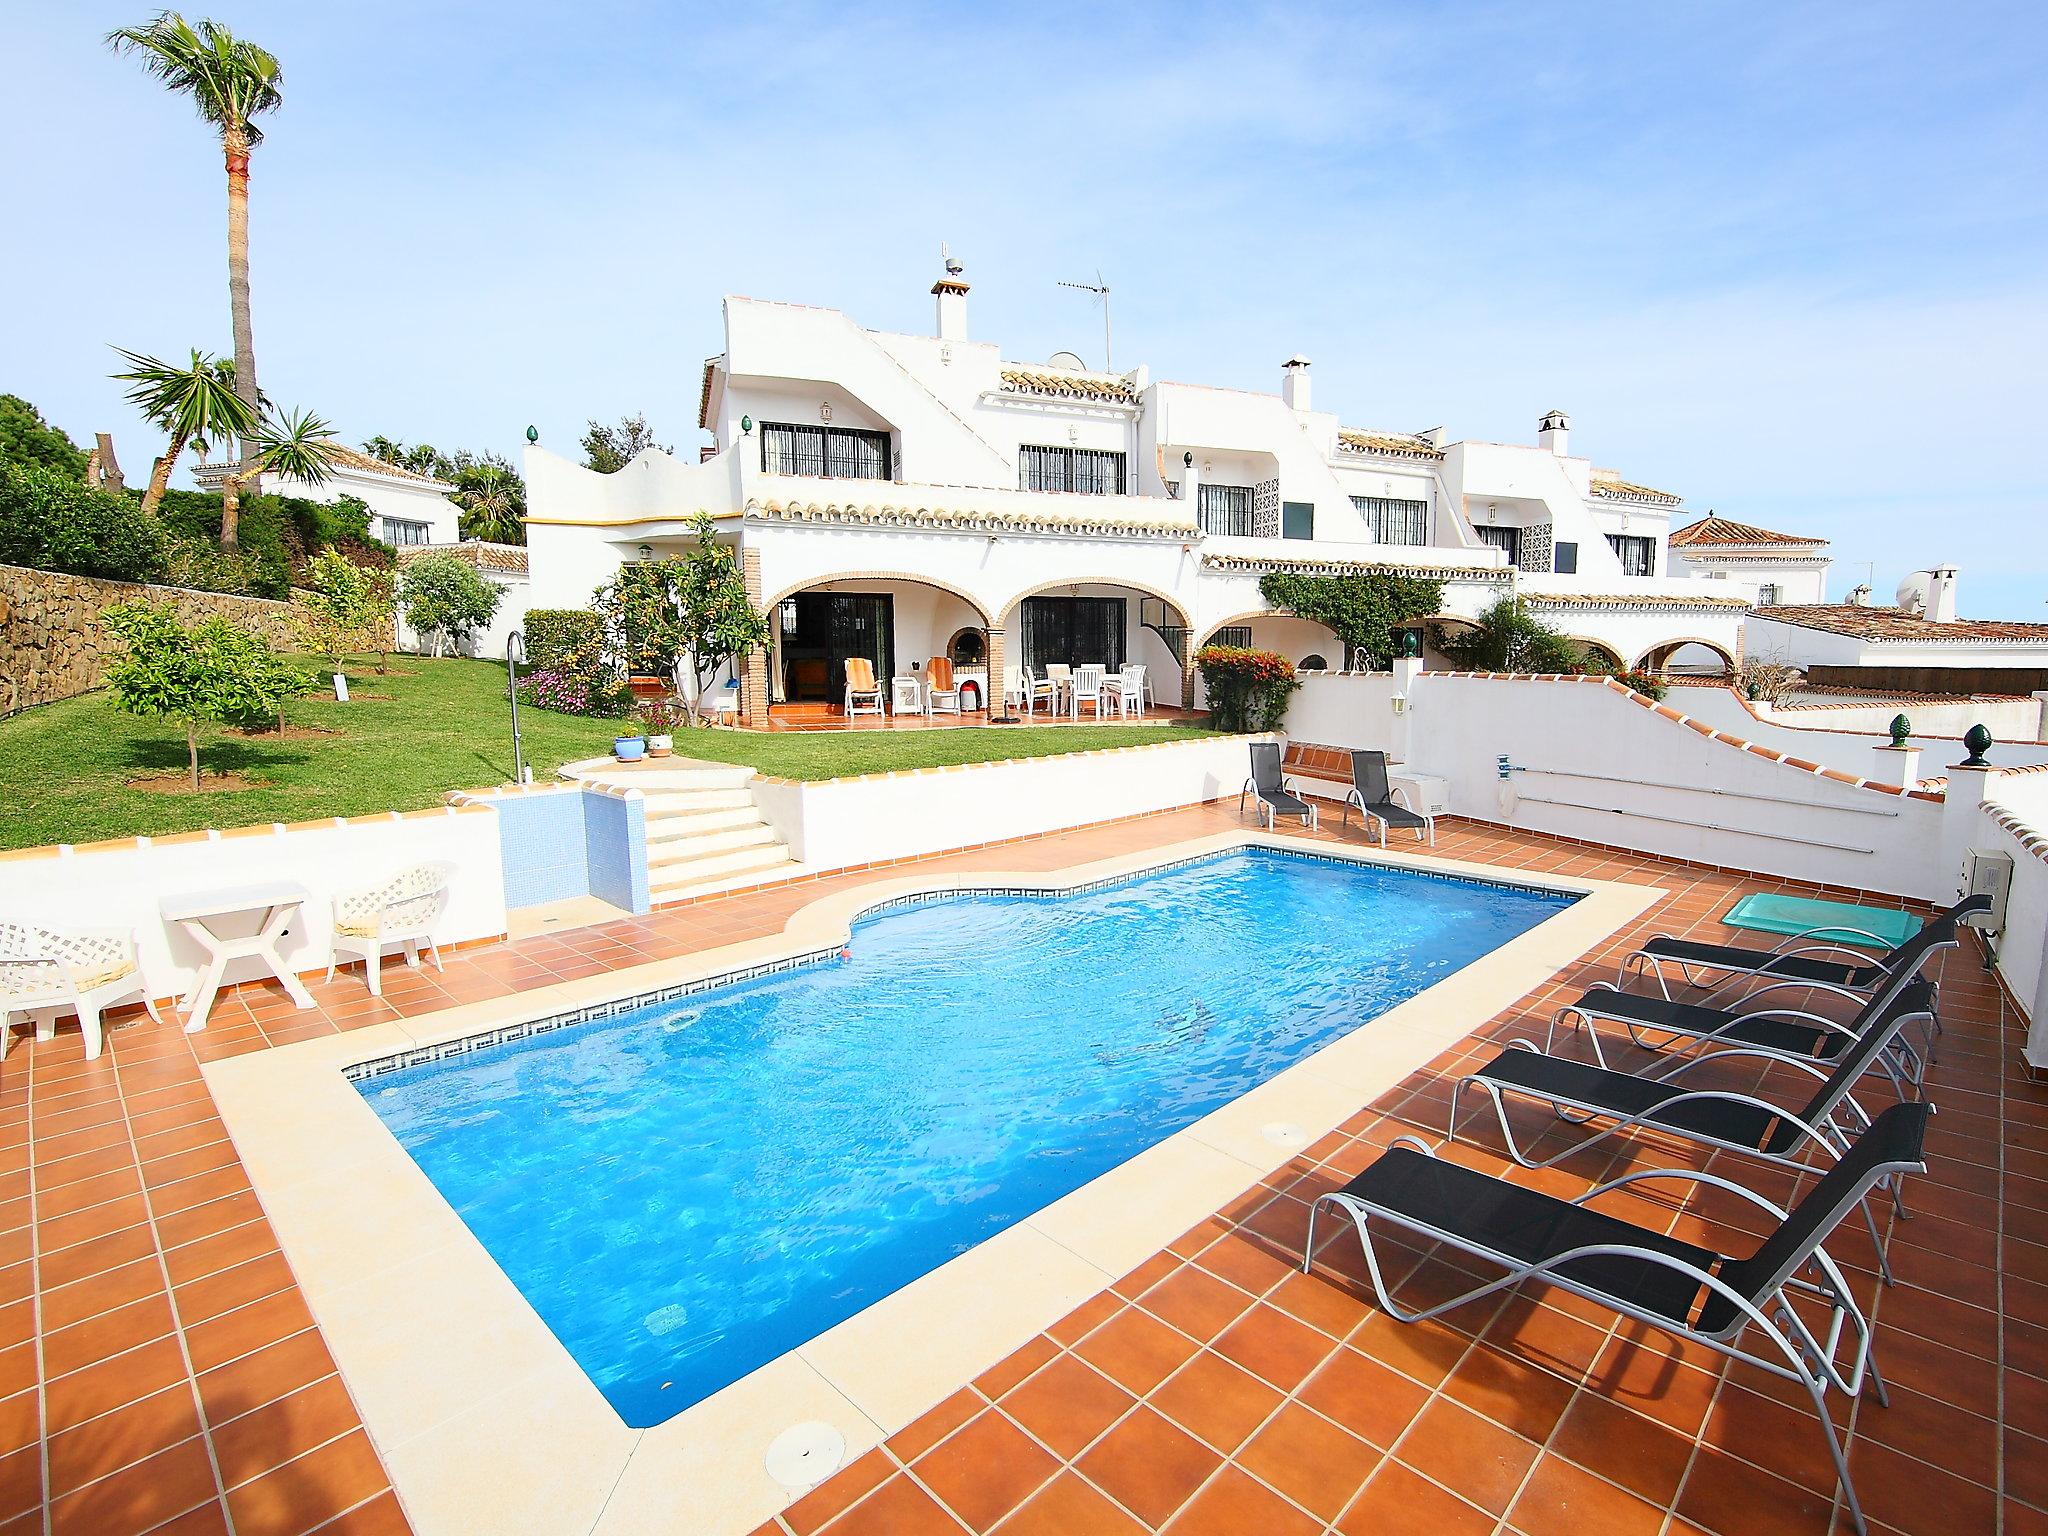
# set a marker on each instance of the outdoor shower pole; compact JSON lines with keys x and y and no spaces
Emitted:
{"x":515,"y":653}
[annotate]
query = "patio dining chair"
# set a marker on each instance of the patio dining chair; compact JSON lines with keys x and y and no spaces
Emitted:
{"x":1061,"y":676}
{"x":1033,"y":688}
{"x":403,"y":910}
{"x":863,"y":694}
{"x":941,"y":694}
{"x":1087,"y":684}
{"x":1739,"y":1307}
{"x":47,"y":971}
{"x":1127,"y":688}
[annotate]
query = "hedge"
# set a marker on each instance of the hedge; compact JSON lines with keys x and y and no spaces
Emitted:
{"x":52,"y":523}
{"x":556,"y":637}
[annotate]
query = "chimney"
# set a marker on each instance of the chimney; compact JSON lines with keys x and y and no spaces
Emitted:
{"x":1554,"y":432}
{"x":950,"y":295}
{"x":1941,"y":595}
{"x":1294,"y":382}
{"x":1859,"y":595}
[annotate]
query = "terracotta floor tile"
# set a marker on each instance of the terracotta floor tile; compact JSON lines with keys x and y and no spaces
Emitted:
{"x":1216,"y":1401}
{"x":1149,"y":1466}
{"x":108,"y":1385}
{"x":246,"y":1384}
{"x":898,"y":1508}
{"x":831,"y":1498}
{"x":1640,"y":1453}
{"x":932,"y":1426}
{"x":1734,"y":1498}
{"x":1275,"y":1347}
{"x":121,"y":1438}
{"x":1312,"y":1461}
{"x":1561,"y":1500}
{"x":223,"y":1291}
{"x":1231,"y":1503}
{"x":1136,"y":1350}
{"x":139,"y":1498}
{"x":1915,"y":1496}
{"x":985,"y":1469}
{"x":305,"y":1493}
{"x":1000,"y":1378}
{"x":1067,"y":1404}
{"x":107,"y":1334}
{"x":236,"y":1333}
{"x":22,"y":1491}
{"x":1068,"y":1506}
{"x":1196,"y":1302}
{"x":254,"y":1443}
{"x":1398,"y":1502}
{"x":1457,"y":1448}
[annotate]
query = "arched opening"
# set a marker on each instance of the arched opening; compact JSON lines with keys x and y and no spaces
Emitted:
{"x":1688,"y":657}
{"x":896,"y":623}
{"x":1104,"y":623}
{"x":1433,"y":659}
{"x":1598,"y":654}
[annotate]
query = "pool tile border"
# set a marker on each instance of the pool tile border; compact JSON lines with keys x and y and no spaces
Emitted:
{"x":515,"y":1429}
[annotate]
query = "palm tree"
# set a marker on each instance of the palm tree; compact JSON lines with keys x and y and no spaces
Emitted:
{"x":231,"y":82}
{"x":299,"y":446}
{"x":195,"y":404}
{"x":492,"y":497}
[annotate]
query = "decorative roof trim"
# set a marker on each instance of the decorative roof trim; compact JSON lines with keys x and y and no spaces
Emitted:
{"x":967,"y":519}
{"x":1629,"y":600}
{"x":704,"y":395}
{"x":1717,"y":532}
{"x":1095,"y":387}
{"x":1614,"y":488}
{"x":1386,"y":445}
{"x":1260,"y":565}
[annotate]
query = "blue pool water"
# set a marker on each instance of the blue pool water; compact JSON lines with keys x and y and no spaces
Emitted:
{"x":687,"y":1190}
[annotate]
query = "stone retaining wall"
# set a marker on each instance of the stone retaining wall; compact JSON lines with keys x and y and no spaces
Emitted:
{"x":51,"y":642}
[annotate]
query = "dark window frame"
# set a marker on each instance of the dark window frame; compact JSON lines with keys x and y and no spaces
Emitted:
{"x":1076,"y":471}
{"x":1396,"y":514}
{"x":1641,"y":546}
{"x":828,"y":453}
{"x":1231,"y":517}
{"x":1288,"y":514}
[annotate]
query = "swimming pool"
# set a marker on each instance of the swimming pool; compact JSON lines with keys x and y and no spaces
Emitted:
{"x":689,"y":1189}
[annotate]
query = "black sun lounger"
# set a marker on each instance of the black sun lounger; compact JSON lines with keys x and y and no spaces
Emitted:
{"x":1739,"y":1307}
{"x":1374,"y":796}
{"x":1275,"y":798}
{"x":1803,"y":1139}
{"x":1660,"y":1023}
{"x":1796,"y":961}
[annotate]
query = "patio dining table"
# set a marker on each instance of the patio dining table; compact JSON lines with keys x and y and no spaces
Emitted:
{"x":198,"y":913}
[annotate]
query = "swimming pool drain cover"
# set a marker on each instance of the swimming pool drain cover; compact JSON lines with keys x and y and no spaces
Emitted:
{"x":804,"y":1455}
{"x":1283,"y":1133}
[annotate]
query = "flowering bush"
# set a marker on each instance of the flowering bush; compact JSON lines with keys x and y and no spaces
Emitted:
{"x":1647,"y":683}
{"x":568,"y":693}
{"x":1248,"y":690}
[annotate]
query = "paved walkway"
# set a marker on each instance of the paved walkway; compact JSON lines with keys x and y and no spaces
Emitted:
{"x":159,"y":1370}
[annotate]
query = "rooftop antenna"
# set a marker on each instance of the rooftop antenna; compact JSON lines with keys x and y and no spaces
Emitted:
{"x":1101,"y":291}
{"x":950,"y":261}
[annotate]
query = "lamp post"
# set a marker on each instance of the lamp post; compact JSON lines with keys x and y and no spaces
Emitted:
{"x":515,"y":657}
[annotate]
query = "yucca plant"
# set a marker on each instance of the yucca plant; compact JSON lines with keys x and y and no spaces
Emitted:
{"x":195,"y":403}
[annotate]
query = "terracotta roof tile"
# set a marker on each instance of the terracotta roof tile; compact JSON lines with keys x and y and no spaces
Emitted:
{"x":1404,"y":445}
{"x":1896,"y":624}
{"x":1631,"y":600}
{"x":1610,"y":486}
{"x":351,"y":458}
{"x":1078,"y":386}
{"x":1721,"y":530}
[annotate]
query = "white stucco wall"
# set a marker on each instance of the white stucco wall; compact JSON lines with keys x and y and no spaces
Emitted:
{"x":1850,"y":751}
{"x":122,"y":885}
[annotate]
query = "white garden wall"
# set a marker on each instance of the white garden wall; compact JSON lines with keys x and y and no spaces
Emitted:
{"x":122,"y":883}
{"x":2009,"y":719}
{"x":2022,"y":952}
{"x":880,"y":818}
{"x":1852,"y":751}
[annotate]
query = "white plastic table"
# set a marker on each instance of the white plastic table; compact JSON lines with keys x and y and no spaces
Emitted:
{"x":906,"y":696}
{"x":195,"y":911}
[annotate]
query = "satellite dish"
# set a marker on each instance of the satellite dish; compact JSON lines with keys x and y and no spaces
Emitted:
{"x":1912,"y":594}
{"x":1066,"y":360}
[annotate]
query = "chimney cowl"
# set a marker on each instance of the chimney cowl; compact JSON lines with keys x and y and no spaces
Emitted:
{"x":1554,"y":431}
{"x":1294,"y":382}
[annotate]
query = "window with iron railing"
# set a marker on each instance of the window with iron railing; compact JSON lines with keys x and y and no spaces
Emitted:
{"x":1239,"y":635}
{"x":1638,"y":553}
{"x":1769,"y":594}
{"x":1225,"y":510}
{"x":1393,"y":519}
{"x":1089,"y":471}
{"x":838,"y":453}
{"x":1508,"y":540}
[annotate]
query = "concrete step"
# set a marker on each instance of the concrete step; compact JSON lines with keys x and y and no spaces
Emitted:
{"x":719,"y":884}
{"x":690,"y":850}
{"x":671,"y":826}
{"x":672,"y":877}
{"x":684,"y":802}
{"x":659,"y":773}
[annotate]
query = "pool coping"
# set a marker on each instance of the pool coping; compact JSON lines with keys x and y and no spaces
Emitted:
{"x":485,"y":1421}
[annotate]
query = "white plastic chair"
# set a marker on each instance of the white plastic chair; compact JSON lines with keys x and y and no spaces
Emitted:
{"x":861,"y":686}
{"x":1087,"y":685}
{"x":403,"y":911}
{"x":941,"y":693}
{"x":48,"y":971}
{"x":1128,"y":689}
{"x":1061,"y":676}
{"x":1036,"y":688}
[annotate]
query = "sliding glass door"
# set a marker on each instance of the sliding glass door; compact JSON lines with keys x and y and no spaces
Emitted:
{"x":1074,"y":631}
{"x":830,"y":627}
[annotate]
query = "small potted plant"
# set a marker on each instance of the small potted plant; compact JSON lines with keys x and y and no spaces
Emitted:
{"x":658,"y":718}
{"x":629,"y":746}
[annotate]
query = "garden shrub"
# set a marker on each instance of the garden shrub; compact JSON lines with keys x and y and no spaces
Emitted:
{"x":443,"y":596}
{"x":1364,"y":609}
{"x":25,"y":438}
{"x":563,"y":637}
{"x":1645,"y":683}
{"x":1248,"y":690}
{"x":52,"y":523}
{"x":279,"y":535}
{"x":572,"y":693}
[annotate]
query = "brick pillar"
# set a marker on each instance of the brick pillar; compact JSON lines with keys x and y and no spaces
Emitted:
{"x":998,"y":658}
{"x":754,"y":687}
{"x":1186,"y":658}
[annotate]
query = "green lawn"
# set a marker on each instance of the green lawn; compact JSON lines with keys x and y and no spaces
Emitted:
{"x":65,"y":768}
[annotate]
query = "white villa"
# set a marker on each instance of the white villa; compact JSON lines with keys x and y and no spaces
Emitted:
{"x":900,"y":496}
{"x":406,"y":509}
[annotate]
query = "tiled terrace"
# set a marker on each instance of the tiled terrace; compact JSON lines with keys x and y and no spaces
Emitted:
{"x":829,"y":717}
{"x":159,"y":1369}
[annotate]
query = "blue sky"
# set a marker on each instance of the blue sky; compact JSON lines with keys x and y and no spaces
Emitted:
{"x":1787,"y":260}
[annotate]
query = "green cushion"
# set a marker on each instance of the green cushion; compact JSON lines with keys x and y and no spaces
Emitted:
{"x":1799,"y":914}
